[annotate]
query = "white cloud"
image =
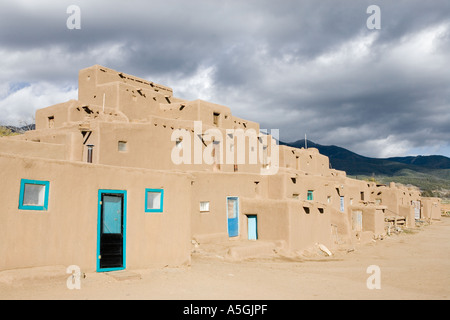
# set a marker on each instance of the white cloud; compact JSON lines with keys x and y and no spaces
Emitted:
{"x":298,"y":66}
{"x":386,"y":147}
{"x":19,"y":107}
{"x":198,"y":86}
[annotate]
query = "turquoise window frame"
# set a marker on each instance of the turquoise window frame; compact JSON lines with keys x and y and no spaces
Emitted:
{"x":161,"y":204}
{"x":46,"y":184}
{"x":310,"y":195}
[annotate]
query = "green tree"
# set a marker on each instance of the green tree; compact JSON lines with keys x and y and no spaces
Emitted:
{"x":427,"y":193}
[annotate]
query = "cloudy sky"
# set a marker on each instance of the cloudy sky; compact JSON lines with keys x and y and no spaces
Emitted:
{"x":305,"y":66}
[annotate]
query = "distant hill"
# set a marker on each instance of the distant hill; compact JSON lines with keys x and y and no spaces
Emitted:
{"x":21,"y":129}
{"x":12,"y":130}
{"x":355,"y":164}
{"x":431,"y":162}
{"x":430,"y":173}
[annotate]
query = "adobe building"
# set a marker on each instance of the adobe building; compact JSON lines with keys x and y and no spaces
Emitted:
{"x":128,"y":175}
{"x":431,"y":208}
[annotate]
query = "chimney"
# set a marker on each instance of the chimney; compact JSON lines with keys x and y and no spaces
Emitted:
{"x":89,"y":153}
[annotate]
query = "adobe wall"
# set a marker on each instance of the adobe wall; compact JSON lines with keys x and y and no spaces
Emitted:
{"x":32,"y":149}
{"x":215,"y":188}
{"x":309,"y":223}
{"x":67,"y":143}
{"x":357,"y":192}
{"x":407,"y":211}
{"x":299,"y":182}
{"x":54,"y":116}
{"x":297,"y":224}
{"x":398,"y":201}
{"x":152,"y":145}
{"x":445,"y":208}
{"x":431,"y":208}
{"x":386,"y":196}
{"x":326,"y":195}
{"x":74,"y":112}
{"x":373,"y":220}
{"x":66,"y":233}
{"x":272,"y":216}
{"x":89,"y":79}
{"x":341,"y":228}
{"x":111,"y":102}
{"x":278,"y":219}
{"x":282,"y":218}
{"x":305,"y":160}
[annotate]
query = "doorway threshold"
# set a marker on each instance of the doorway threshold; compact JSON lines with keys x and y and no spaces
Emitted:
{"x":122,"y":275}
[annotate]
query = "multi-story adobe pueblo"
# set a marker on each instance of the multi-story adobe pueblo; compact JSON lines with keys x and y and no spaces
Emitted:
{"x":128,"y":176}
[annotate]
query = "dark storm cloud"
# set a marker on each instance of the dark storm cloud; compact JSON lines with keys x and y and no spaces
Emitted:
{"x":300,"y":66}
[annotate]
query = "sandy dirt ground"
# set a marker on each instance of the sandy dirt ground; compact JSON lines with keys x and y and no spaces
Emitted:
{"x":412,"y":265}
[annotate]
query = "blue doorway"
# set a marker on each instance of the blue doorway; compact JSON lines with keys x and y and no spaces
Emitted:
{"x":252,"y":224}
{"x":111,"y":230}
{"x":233,"y":216}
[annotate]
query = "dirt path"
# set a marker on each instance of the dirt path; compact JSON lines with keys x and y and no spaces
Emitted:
{"x":413,"y":265}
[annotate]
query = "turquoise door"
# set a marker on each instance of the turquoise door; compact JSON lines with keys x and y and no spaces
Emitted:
{"x":233,"y":216}
{"x":252,"y":227}
{"x":111,"y":230}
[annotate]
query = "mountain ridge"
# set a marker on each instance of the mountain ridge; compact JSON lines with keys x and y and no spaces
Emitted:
{"x":356,"y":164}
{"x":431,"y":173}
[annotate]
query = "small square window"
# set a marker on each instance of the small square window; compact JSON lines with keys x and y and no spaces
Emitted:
{"x":33,"y":195}
{"x":122,"y":146}
{"x":204,"y":206}
{"x":310,"y":195}
{"x":154,"y":199}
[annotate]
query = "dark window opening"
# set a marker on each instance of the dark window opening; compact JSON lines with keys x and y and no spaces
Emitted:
{"x":87,"y":110}
{"x":257,"y":187}
{"x":51,"y":121}
{"x":122,"y":146}
{"x":216,"y":117}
